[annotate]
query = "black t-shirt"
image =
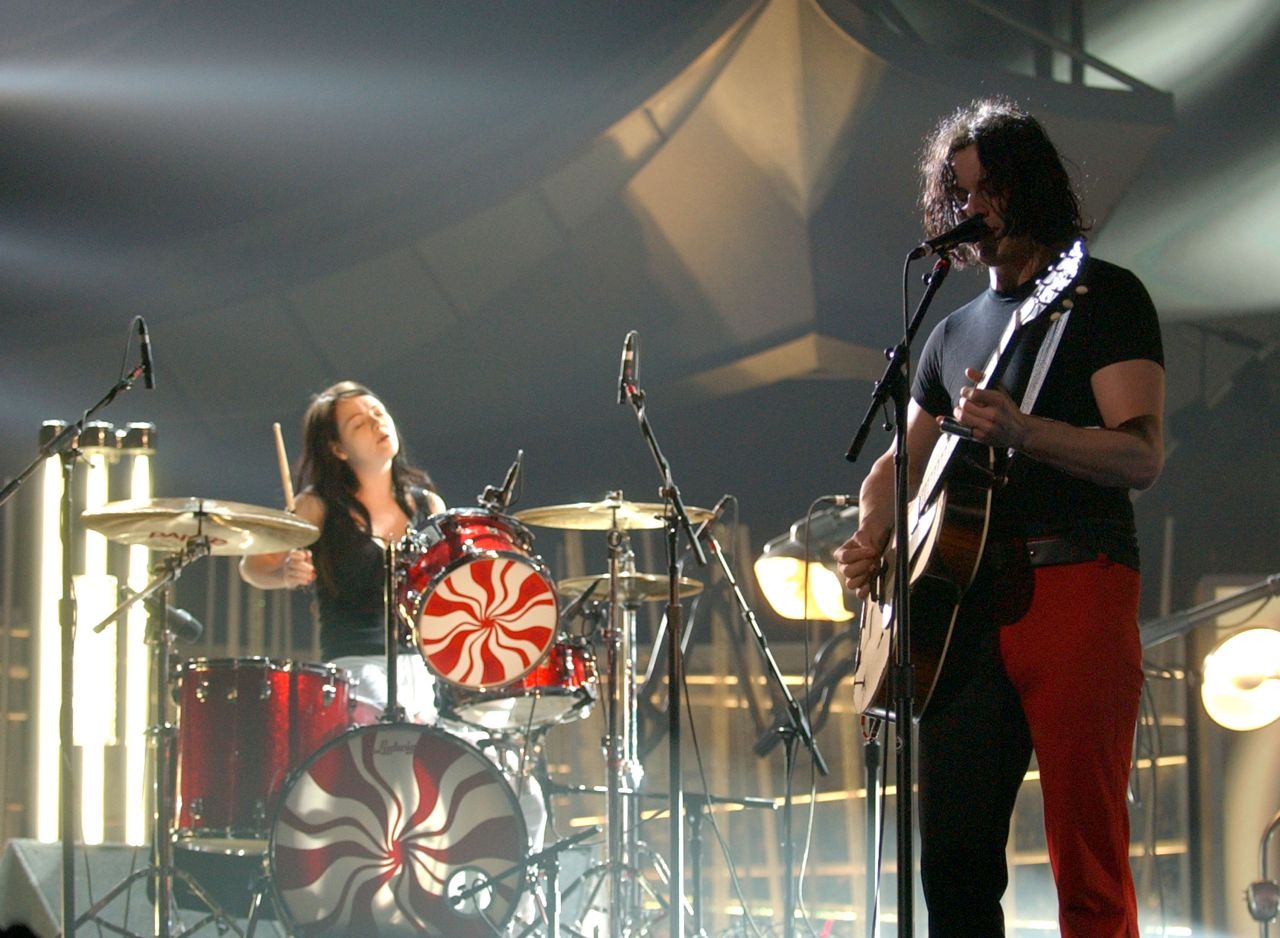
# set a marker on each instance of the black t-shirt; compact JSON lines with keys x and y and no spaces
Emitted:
{"x":353,"y":609}
{"x":1114,"y":321}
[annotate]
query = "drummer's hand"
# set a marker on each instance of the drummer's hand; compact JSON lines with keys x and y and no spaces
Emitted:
{"x":858,"y":560}
{"x":297,"y":569}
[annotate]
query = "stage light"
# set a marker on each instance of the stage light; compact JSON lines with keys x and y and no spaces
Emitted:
{"x":138,"y":443}
{"x":1241,"y":683}
{"x":48,"y":667}
{"x":797,"y":586}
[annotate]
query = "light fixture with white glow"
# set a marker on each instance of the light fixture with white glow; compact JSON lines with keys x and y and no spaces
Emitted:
{"x":1240,"y":688}
{"x":796,"y":573}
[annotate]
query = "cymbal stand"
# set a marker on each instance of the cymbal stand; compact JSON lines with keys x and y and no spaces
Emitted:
{"x":161,"y":870}
{"x":623,"y":769}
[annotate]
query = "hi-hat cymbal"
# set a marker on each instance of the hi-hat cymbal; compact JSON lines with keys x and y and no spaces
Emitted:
{"x":233,"y":528}
{"x":604,"y":515}
{"x":632,"y":587}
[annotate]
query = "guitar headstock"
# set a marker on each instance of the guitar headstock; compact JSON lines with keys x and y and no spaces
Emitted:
{"x":1056,"y":281}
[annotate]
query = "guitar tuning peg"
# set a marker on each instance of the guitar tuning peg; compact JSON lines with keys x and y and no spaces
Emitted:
{"x":1067,"y":304}
{"x":1055,"y":316}
{"x":1082,"y":289}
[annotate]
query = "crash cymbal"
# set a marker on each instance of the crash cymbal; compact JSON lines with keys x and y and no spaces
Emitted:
{"x":233,"y":529}
{"x":604,"y":515}
{"x":632,"y":587}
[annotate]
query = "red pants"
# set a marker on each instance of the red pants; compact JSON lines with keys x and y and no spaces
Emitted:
{"x":1047,"y":659}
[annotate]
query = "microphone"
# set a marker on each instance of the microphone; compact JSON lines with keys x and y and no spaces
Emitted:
{"x":148,"y":367}
{"x":971,"y":229}
{"x":509,"y":483}
{"x":716,"y":512}
{"x":185,"y":627}
{"x":628,"y":369}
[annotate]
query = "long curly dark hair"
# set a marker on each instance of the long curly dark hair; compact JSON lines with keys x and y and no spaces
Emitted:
{"x":322,"y":472}
{"x":1023,"y":169}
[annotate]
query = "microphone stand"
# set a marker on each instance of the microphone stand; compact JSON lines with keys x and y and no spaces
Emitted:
{"x":894,"y":385}
{"x":795,"y":729}
{"x":675,"y":519}
{"x":63,"y":444}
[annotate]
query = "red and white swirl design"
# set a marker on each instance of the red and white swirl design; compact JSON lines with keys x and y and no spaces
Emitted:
{"x":378,"y":823}
{"x":487,"y":622}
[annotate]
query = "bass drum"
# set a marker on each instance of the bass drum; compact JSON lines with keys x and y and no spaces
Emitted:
{"x":383,"y":832}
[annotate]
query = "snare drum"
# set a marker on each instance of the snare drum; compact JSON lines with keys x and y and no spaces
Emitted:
{"x":482,"y":605}
{"x":243,"y":724}
{"x":380,"y":831}
{"x":560,"y":689}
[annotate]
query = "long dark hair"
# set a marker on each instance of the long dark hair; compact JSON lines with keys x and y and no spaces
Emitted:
{"x":1022,"y":167}
{"x":322,"y":472}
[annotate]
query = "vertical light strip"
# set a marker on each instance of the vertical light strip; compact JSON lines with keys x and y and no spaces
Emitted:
{"x":48,"y":655}
{"x":94,"y":700}
{"x":137,"y":687}
{"x":95,"y":697}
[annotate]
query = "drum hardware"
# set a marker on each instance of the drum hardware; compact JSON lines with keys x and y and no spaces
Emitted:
{"x":624,"y":770}
{"x":160,"y":873}
{"x":190,"y":529}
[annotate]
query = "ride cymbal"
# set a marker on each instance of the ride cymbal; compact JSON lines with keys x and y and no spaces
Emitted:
{"x":604,"y":515}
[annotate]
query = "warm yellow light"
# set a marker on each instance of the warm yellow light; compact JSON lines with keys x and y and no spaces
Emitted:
{"x":1241,"y":685}
{"x":782,"y":580}
{"x":48,"y":655}
{"x":137,"y":685}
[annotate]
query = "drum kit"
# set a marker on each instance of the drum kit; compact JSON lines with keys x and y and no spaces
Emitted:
{"x":362,"y":823}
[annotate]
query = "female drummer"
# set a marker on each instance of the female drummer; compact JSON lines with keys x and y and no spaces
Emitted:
{"x":360,"y":490}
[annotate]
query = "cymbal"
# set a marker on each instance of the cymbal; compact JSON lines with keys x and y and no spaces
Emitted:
{"x":604,"y":515}
{"x":233,"y":528}
{"x":632,"y":587}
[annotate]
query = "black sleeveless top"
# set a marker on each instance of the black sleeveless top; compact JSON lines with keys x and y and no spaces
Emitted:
{"x":352,"y":611}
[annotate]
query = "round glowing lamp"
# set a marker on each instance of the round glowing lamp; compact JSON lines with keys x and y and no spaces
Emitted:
{"x":1241,"y":685}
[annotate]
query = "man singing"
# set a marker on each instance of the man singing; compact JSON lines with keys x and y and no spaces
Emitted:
{"x":1045,"y":654}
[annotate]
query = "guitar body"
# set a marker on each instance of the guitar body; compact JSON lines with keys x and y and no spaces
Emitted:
{"x":948,"y":522}
{"x":947,"y":537}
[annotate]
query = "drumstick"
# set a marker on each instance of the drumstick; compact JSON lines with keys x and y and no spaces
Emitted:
{"x":285,"y":479}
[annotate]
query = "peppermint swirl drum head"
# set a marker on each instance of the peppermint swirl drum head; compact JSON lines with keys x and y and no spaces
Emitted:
{"x":484,"y":607}
{"x":385,"y":831}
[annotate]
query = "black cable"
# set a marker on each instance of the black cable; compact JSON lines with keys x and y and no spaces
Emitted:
{"x":710,"y":815}
{"x":808,"y":718}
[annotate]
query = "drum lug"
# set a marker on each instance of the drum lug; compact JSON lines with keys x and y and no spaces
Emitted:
{"x":328,"y":694}
{"x":197,"y":808}
{"x":202,"y":691}
{"x":264,"y":693}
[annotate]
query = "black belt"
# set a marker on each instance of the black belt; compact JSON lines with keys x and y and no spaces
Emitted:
{"x":1051,"y":551}
{"x":1003,"y":555}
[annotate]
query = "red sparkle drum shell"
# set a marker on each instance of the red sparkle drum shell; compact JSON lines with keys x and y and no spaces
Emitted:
{"x":561,"y":688}
{"x":243,"y":725}
{"x":482,"y":605}
{"x":376,"y":830}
